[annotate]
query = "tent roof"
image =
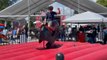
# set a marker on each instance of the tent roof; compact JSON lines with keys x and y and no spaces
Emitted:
{"x":21,"y":7}
{"x":86,"y":17}
{"x":84,"y":5}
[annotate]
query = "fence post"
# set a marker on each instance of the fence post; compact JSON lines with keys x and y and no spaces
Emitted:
{"x":59,"y":56}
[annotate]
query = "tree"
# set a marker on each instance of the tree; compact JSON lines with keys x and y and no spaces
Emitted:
{"x":4,"y":4}
{"x":102,"y":2}
{"x":31,"y":24}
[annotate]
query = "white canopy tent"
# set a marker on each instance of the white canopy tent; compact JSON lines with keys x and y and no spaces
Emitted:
{"x":86,"y":17}
{"x":21,"y":7}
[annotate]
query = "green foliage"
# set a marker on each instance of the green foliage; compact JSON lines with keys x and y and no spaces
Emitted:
{"x":4,"y":4}
{"x":103,"y":25}
{"x":2,"y":21}
{"x":8,"y":24}
{"x":102,"y":2}
{"x":31,"y":24}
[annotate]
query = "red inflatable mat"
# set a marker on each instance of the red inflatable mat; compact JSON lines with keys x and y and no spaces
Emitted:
{"x":71,"y":51}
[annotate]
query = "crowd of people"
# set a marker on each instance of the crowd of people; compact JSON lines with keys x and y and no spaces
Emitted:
{"x":16,"y":34}
{"x":87,"y":33}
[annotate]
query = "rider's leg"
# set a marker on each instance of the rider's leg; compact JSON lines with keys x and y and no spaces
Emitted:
{"x":54,"y":25}
{"x":50,"y":28}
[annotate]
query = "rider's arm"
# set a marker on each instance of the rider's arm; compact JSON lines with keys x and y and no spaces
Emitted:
{"x":59,"y":11}
{"x":45,"y":18}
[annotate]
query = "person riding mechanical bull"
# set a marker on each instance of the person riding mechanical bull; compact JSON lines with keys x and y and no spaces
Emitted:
{"x":50,"y":23}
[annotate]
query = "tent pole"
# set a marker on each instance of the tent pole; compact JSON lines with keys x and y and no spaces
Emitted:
{"x":101,"y":31}
{"x":78,"y":27}
{"x":78,"y":6}
{"x":28,"y":22}
{"x":11,"y":24}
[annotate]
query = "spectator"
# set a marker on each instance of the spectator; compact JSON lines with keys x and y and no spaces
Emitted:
{"x":26,"y":30}
{"x":81,"y":36}
{"x":5,"y":31}
{"x":62,"y":33}
{"x":105,"y":35}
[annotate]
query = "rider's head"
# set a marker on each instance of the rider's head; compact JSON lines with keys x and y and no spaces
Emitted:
{"x":50,"y":8}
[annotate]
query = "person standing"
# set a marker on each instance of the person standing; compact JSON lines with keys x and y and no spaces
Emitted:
{"x":105,"y":35}
{"x":81,"y":36}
